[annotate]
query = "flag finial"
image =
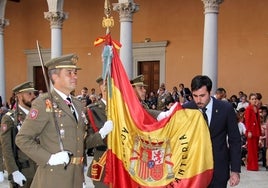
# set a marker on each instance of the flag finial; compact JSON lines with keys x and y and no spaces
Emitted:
{"x":108,"y":21}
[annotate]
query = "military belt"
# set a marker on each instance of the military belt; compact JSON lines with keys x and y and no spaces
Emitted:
{"x":77,"y":160}
{"x":101,"y":148}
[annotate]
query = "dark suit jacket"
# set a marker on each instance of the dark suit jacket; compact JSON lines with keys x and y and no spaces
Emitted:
{"x":185,"y":93}
{"x":226,"y":155}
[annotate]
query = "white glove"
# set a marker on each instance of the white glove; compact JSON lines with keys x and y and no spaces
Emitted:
{"x":84,"y":185}
{"x":18,"y":178}
{"x":106,"y":129}
{"x":163,"y":115}
{"x":1,"y":176}
{"x":59,"y":158}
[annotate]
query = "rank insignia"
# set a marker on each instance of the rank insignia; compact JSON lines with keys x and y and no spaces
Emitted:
{"x":33,"y":114}
{"x":83,"y":115}
{"x":96,"y":171}
{"x":98,"y":167}
{"x":48,"y":105}
{"x":3,"y":127}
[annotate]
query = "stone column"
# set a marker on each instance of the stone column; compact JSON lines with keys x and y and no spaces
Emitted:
{"x":3,"y":23}
{"x":56,"y":16}
{"x":210,"y":45}
{"x":126,"y":8}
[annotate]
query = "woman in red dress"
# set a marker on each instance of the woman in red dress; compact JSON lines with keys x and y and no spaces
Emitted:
{"x":253,"y":131}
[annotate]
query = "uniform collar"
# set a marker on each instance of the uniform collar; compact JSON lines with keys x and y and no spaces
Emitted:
{"x":104,"y":101}
{"x":61,"y":94}
{"x":26,"y":111}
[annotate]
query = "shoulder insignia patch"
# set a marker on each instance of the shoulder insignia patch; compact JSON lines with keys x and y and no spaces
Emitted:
{"x":3,"y":127}
{"x":33,"y":114}
{"x":9,"y":113}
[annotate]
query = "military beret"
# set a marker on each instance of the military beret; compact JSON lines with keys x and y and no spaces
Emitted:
{"x":99,"y":80}
{"x":66,"y":61}
{"x":138,"y":81}
{"x":24,"y":87}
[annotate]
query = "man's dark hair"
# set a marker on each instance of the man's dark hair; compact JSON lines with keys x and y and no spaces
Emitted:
{"x":259,"y":96}
{"x":85,"y":88}
{"x":200,"y":81}
{"x":264,"y":108}
{"x":221,"y":90}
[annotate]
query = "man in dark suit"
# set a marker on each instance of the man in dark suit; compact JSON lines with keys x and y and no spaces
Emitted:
{"x":184,"y":92}
{"x":224,"y":133}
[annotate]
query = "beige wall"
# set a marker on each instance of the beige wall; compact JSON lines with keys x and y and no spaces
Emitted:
{"x":243,"y":39}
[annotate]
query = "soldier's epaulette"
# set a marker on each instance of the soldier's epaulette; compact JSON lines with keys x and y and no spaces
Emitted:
{"x":10,"y":113}
{"x":44,"y":96}
{"x":93,"y":105}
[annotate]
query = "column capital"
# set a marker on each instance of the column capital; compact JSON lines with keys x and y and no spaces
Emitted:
{"x":3,"y":24}
{"x":56,"y":18}
{"x":125,"y":10}
{"x":212,"y":6}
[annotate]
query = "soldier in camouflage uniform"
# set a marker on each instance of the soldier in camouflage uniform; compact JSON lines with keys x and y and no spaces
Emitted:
{"x":139,"y":88}
{"x":20,"y":167}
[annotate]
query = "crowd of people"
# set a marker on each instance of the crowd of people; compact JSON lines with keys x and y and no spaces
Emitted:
{"x":28,"y":139}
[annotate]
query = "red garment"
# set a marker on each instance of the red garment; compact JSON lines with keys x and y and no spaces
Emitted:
{"x":252,"y":123}
{"x":266,"y":134}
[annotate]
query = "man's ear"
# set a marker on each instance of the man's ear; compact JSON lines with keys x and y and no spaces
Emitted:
{"x":54,"y":77}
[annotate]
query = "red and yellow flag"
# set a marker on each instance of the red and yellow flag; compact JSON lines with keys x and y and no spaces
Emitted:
{"x":145,"y":153}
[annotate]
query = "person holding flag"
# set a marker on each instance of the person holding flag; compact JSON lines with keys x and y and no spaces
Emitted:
{"x":139,"y":88}
{"x":224,"y":132}
{"x":97,"y":118}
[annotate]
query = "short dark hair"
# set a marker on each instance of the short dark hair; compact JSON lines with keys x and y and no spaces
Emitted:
{"x":264,"y":108}
{"x":259,"y":96}
{"x":200,"y":81}
{"x":85,"y":88}
{"x":169,"y":99}
{"x":221,"y":90}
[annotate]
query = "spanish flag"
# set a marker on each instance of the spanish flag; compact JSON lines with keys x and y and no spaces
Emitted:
{"x":145,"y":153}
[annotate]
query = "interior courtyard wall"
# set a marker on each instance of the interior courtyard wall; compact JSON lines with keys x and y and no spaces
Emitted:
{"x":243,"y":39}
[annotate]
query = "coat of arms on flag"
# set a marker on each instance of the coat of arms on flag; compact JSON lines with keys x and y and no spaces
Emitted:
{"x":150,"y":158}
